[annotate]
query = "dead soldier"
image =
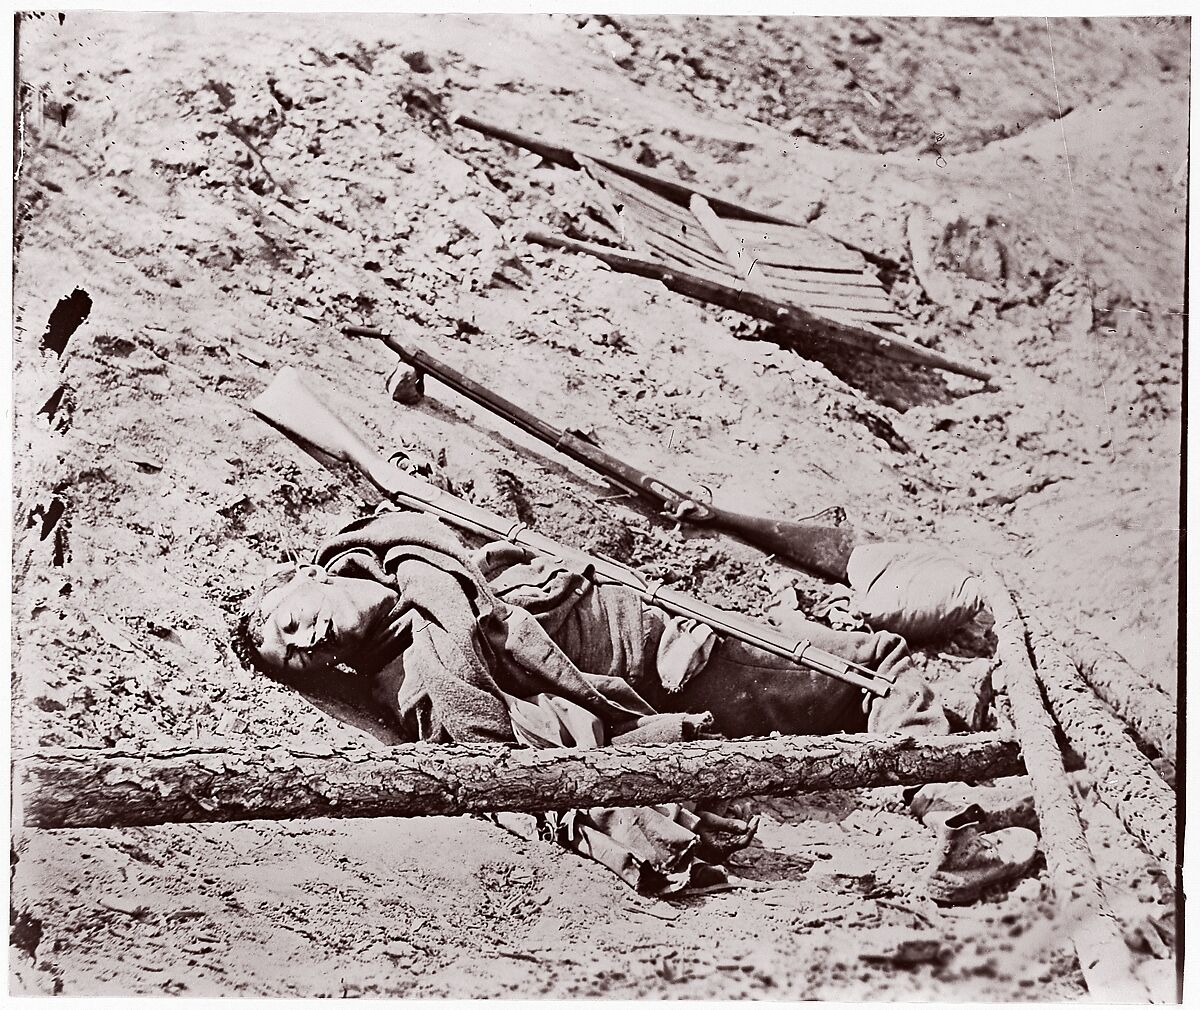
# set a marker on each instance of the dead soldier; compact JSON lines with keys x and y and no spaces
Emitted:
{"x":498,"y":645}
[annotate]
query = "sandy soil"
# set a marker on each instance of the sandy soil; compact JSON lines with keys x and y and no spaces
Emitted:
{"x":227,"y":191}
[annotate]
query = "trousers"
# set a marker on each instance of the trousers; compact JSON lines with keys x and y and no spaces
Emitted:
{"x":750,"y":692}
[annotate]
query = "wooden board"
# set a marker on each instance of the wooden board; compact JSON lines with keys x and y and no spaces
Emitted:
{"x":787,"y":275}
{"x":804,"y":256}
{"x":853,"y":318}
{"x":788,"y":264}
{"x":796,"y":246}
{"x":633,"y":201}
{"x":629,"y":188}
{"x":739,"y":264}
{"x":673,"y":254}
{"x":849,"y":303}
{"x":861,"y":293}
{"x":853,"y":330}
{"x":677,"y":238}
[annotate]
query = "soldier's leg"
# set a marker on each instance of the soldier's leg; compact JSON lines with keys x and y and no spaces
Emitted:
{"x":757,"y":693}
{"x":752,"y":693}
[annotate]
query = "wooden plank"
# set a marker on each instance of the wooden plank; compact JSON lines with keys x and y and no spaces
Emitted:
{"x":684,"y":233}
{"x":854,"y":277}
{"x":674,"y":253}
{"x":647,"y":231}
{"x":675,"y":240}
{"x":836,"y":300}
{"x":633,"y":196}
{"x":680,"y":238}
{"x":875,"y":294}
{"x":880,"y":317}
{"x":810,"y":257}
{"x":861,"y":313}
{"x":738,"y":263}
{"x":627,"y":187}
{"x":633,"y":202}
{"x":783,"y":234}
{"x":855,"y":317}
{"x":865,"y":291}
{"x":617,"y":221}
{"x":679,"y":190}
{"x":795,"y":319}
{"x":796,"y":246}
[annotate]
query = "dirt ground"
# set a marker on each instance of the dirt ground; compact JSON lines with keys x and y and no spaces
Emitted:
{"x":209,"y":197}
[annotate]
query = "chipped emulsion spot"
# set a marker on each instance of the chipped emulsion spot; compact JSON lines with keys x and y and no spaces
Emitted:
{"x":68,"y":315}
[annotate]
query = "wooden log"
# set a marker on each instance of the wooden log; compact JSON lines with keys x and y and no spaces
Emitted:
{"x":1151,"y":713}
{"x":1124,"y":778}
{"x":793,"y":319}
{"x":676,"y":190}
{"x":95,"y":788}
{"x":1103,"y":955}
{"x":554,"y":153}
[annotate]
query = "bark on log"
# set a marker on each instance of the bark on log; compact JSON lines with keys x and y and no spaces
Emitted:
{"x":1152,"y":714}
{"x":89,"y":788}
{"x":1103,"y":955}
{"x":1125,"y":779}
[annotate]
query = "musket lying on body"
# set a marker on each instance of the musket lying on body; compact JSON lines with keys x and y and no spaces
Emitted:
{"x":292,"y":408}
{"x":818,"y":548}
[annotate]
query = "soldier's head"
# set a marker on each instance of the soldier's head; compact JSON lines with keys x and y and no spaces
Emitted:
{"x":302,"y":618}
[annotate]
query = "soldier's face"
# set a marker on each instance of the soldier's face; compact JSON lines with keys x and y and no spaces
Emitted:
{"x":317,"y":620}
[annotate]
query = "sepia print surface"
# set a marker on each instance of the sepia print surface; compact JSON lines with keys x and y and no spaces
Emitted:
{"x":587,"y":506}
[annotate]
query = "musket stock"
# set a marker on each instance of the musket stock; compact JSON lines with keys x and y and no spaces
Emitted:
{"x":293,"y":409}
{"x":815,"y":547}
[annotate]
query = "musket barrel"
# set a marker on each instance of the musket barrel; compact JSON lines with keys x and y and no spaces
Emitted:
{"x":563,"y":441}
{"x":815,"y":547}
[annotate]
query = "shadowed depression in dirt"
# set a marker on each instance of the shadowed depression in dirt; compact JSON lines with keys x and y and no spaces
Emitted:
{"x":556,"y":506}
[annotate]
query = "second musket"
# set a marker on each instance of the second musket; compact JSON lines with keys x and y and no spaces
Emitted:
{"x":815,"y":547}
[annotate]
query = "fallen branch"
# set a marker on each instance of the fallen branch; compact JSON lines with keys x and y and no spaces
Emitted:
{"x":89,"y":788}
{"x":1103,"y":956}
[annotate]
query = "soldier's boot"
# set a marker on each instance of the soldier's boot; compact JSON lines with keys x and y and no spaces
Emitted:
{"x":967,"y":860}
